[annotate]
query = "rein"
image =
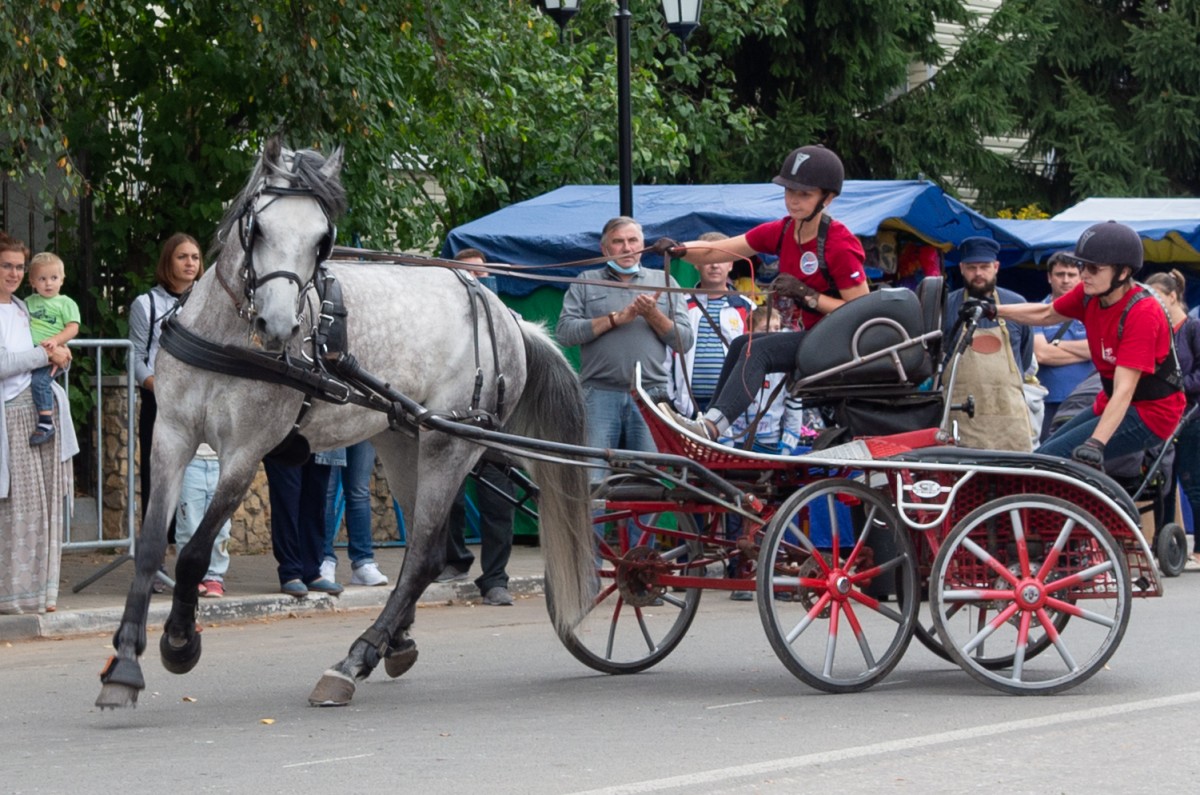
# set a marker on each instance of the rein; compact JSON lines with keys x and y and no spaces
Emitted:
{"x":342,"y":253}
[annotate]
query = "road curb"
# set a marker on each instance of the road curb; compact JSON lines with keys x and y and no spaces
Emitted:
{"x":230,"y":609}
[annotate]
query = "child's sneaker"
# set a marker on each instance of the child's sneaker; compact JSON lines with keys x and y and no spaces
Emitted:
{"x":41,"y":434}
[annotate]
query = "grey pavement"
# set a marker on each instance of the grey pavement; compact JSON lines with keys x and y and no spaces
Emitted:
{"x":251,"y":592}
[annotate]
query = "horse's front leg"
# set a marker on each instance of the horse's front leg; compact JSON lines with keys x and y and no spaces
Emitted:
{"x":180,"y":642}
{"x":121,"y":680}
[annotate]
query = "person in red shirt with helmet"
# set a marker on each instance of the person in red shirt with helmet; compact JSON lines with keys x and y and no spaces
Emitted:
{"x":820,"y":267}
{"x":1131,"y":346}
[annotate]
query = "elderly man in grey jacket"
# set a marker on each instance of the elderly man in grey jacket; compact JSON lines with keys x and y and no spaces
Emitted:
{"x":617,"y":328}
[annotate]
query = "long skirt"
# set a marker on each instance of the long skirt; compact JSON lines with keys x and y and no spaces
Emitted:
{"x":31,"y":517}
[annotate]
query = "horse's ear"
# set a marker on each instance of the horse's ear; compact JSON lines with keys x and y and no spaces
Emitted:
{"x":273,"y":150}
{"x":333,"y":164}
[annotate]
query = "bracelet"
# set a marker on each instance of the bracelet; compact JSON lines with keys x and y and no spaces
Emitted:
{"x":612,"y":319}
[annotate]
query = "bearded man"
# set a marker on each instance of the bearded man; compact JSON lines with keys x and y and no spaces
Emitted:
{"x":993,"y":370}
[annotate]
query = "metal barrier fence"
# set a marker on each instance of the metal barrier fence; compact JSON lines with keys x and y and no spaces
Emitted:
{"x":76,"y":536}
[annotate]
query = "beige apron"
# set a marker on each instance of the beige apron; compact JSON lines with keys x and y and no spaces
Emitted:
{"x":988,"y":372}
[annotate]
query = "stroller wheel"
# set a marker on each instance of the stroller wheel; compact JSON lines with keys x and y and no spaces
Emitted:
{"x":1170,"y":547}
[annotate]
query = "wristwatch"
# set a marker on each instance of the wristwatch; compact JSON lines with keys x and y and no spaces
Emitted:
{"x":812,"y":300}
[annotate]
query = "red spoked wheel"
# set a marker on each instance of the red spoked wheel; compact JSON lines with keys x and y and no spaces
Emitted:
{"x":1008,"y":577}
{"x":635,"y":621}
{"x":837,"y":586}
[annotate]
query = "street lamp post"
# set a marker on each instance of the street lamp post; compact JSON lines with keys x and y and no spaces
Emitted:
{"x":683,"y":16}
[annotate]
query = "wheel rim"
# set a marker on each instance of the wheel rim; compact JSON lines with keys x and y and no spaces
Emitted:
{"x":634,"y":621}
{"x":1007,"y":579}
{"x":850,"y":605}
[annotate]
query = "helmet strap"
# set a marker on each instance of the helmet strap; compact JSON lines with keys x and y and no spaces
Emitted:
{"x":819,"y":208}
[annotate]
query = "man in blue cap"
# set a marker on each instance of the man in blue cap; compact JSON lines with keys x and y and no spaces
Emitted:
{"x":993,"y":370}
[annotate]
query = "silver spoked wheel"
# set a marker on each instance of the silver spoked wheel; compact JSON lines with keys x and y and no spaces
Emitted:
{"x":837,"y":586}
{"x":1008,"y":578}
{"x":635,"y":621}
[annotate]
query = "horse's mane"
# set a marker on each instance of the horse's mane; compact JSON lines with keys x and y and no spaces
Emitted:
{"x":301,"y":168}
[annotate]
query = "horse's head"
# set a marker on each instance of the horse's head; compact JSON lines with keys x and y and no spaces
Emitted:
{"x":284,"y":220}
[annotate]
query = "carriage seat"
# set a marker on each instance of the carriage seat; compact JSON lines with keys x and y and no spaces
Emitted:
{"x":887,"y":323}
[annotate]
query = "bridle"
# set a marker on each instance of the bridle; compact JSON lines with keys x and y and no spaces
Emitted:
{"x":249,"y":231}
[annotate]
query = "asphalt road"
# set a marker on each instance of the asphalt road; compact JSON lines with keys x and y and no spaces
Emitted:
{"x":496,"y":705}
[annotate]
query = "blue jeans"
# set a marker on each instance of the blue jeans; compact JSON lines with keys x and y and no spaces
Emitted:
{"x":613,"y":421}
{"x":43,"y":396}
{"x":1131,"y":436}
{"x":199,"y":485}
{"x":355,"y":479}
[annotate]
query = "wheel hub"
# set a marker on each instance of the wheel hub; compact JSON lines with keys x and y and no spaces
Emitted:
{"x":637,"y":576}
{"x":1030,"y":595}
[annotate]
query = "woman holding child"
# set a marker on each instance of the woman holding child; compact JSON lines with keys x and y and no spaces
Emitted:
{"x":33,"y":478}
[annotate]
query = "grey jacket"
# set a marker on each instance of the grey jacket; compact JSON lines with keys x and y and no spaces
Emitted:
{"x":607,"y":361}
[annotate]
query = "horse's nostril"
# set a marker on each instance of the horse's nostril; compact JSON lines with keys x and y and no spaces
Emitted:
{"x":260,"y":324}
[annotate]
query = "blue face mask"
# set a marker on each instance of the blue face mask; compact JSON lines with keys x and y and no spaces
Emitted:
{"x":634,"y":268}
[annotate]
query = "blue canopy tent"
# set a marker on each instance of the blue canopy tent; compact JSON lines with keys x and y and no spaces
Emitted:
{"x":564,"y":225}
{"x":1167,"y":244}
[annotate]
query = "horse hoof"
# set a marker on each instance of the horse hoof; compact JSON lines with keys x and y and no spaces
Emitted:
{"x":116,"y":696}
{"x":397,"y":661}
{"x":179,"y":659}
{"x":334,"y":689}
{"x":120,"y":682}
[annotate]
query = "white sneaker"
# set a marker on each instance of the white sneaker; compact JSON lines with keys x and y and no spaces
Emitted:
{"x":329,"y":569}
{"x":368,"y":574}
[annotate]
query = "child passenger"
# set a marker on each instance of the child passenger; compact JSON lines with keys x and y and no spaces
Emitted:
{"x":53,"y":321}
{"x":764,"y":319}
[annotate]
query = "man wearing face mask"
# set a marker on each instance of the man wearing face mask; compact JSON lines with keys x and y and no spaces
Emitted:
{"x":617,"y":328}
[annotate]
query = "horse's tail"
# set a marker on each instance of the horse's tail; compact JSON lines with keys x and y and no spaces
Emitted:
{"x":551,"y":407}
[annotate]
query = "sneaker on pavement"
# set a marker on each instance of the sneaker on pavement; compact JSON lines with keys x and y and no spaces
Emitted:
{"x":329,"y":569}
{"x":294,"y":588}
{"x":213,"y":589}
{"x":368,"y":574}
{"x":323,"y":585}
{"x":700,"y":427}
{"x":451,"y":574}
{"x":497,"y":596}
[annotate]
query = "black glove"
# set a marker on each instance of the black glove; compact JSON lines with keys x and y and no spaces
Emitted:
{"x":1091,"y":453}
{"x":788,"y":285}
{"x":665,"y":245}
{"x":982,"y":306}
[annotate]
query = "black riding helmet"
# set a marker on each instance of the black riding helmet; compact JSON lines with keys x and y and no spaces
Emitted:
{"x":812,"y":168}
{"x":1108,"y":243}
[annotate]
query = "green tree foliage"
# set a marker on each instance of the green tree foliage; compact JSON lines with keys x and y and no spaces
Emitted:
{"x":1113,"y":107}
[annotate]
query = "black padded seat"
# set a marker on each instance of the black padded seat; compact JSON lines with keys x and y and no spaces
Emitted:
{"x":883,"y":318}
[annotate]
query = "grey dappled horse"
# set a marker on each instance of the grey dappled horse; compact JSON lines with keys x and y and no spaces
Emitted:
{"x":411,"y":327}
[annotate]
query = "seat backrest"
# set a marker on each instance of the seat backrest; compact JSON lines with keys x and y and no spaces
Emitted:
{"x":881,"y":319}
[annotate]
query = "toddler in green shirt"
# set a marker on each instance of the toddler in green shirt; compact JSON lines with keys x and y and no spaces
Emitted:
{"x":53,"y":321}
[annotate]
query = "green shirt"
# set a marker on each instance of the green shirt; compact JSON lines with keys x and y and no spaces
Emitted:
{"x":48,"y":316}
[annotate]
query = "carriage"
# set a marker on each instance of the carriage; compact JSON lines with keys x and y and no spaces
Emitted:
{"x":852,"y":550}
{"x":1020,"y":568}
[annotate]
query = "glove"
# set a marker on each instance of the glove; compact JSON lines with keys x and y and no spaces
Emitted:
{"x":1091,"y":453}
{"x":665,"y":245}
{"x":982,"y":306}
{"x":788,"y":285}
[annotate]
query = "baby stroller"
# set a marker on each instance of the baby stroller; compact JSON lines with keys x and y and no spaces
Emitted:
{"x":1148,"y":477}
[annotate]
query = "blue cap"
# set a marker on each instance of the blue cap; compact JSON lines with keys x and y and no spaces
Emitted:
{"x":979,"y":249}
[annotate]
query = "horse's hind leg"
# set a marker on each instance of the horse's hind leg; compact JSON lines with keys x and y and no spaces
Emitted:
{"x":179,"y":646}
{"x":444,"y":464}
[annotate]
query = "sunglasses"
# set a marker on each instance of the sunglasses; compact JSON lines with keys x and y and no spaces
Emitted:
{"x":1090,"y":268}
